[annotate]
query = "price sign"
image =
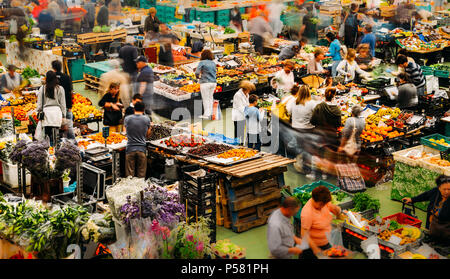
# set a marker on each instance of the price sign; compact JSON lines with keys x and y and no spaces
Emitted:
{"x":21,"y":129}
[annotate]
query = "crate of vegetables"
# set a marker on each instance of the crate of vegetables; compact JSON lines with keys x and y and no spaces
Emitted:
{"x":233,"y":156}
{"x":436,"y":164}
{"x":180,"y":143}
{"x":442,"y":71}
{"x":436,"y":141}
{"x":404,"y":219}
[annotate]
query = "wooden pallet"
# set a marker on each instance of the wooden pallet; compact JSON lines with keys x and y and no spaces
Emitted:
{"x":222,"y":211}
{"x":97,"y":38}
{"x":253,"y":216}
{"x":91,"y":82}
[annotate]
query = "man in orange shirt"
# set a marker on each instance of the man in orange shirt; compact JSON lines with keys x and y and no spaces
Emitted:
{"x":76,"y":14}
{"x":316,"y":221}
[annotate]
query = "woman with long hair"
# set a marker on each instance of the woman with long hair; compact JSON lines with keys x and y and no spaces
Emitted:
{"x":52,"y":102}
{"x":348,"y":67}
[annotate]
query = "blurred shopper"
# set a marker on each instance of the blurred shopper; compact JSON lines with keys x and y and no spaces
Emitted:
{"x":334,"y":51}
{"x":138,"y":129}
{"x":364,"y":59}
{"x":118,"y":76}
{"x":370,"y":39}
{"x":301,"y":111}
{"x":103,"y":14}
{"x":414,"y":71}
{"x":144,"y":83}
{"x":52,"y":102}
{"x":253,"y":116}
{"x":351,"y":24}
{"x":281,"y":238}
{"x":275,"y":8}
{"x":89,"y":18}
{"x":112,"y":106}
{"x":165,"y":40}
{"x":66,"y":82}
{"x":258,"y":27}
{"x":283,"y":81}
{"x":76,"y":13}
{"x":240,"y":101}
{"x":128,"y":53}
{"x":352,"y":131}
{"x":46,"y":24}
{"x":236,"y":19}
{"x":309,"y":27}
{"x":152,"y":22}
{"x":206,"y":71}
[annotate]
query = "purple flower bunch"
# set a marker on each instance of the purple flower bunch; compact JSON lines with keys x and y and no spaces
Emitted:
{"x":162,"y":205}
{"x":67,"y":156}
{"x":33,"y":156}
{"x":129,"y":210}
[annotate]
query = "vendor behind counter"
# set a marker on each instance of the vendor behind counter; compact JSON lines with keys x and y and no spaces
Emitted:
{"x":10,"y":81}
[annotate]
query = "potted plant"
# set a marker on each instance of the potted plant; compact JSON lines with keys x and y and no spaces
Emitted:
{"x":66,"y":178}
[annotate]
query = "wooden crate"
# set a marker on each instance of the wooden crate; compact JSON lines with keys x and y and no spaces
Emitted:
{"x":253,"y":216}
{"x":119,"y":34}
{"x":94,"y":38}
{"x":222,"y":211}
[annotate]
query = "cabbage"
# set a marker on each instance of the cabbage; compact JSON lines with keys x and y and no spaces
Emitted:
{"x":105,"y":29}
{"x":97,"y":29}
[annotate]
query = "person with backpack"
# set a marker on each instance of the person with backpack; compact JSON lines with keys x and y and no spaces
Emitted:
{"x":334,"y":51}
{"x":351,"y":24}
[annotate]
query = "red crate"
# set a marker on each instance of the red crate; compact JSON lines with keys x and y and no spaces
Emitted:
{"x":404,"y":219}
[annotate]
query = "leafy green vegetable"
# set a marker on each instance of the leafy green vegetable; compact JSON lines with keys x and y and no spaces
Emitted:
{"x":394,"y":225}
{"x":363,"y":201}
{"x":309,"y":48}
{"x":302,"y":197}
{"x":29,"y":73}
{"x":105,"y":29}
{"x":229,"y":30}
{"x":97,"y":29}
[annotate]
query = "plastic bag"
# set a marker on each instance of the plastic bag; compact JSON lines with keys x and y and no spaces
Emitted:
{"x":335,"y":237}
{"x":371,"y":248}
{"x":39,"y":134}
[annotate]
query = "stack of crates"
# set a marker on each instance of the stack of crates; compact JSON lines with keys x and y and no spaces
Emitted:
{"x":222,"y":17}
{"x":200,"y":194}
{"x":205,"y":16}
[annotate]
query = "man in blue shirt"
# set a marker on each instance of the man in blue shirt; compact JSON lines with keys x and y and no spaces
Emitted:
{"x":334,"y":51}
{"x":370,"y":39}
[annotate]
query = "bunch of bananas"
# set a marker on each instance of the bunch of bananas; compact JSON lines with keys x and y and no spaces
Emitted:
{"x":260,"y":59}
{"x":411,"y":232}
{"x":272,"y":60}
{"x":373,"y":119}
{"x":226,"y":79}
{"x":418,"y":257}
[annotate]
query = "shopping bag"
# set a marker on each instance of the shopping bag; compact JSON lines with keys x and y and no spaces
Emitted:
{"x":39,"y":133}
{"x":350,"y":178}
{"x":217,"y":113}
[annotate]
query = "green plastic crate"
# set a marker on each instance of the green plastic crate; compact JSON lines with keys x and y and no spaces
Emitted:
{"x":312,"y":186}
{"x":441,"y":74}
{"x":87,"y":69}
{"x":222,"y":13}
{"x":242,"y":10}
{"x":426,"y":141}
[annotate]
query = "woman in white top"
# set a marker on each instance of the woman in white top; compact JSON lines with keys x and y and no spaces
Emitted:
{"x":283,"y":81}
{"x":240,"y":101}
{"x":348,"y":67}
{"x":301,"y":111}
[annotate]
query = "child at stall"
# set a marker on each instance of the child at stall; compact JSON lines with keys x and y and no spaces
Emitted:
{"x":253,"y":116}
{"x":112,"y":106}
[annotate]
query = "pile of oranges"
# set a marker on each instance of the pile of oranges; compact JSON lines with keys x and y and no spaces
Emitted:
{"x":113,"y":138}
{"x":78,"y":99}
{"x":191,"y":88}
{"x":237,"y":154}
{"x":83,"y":144}
{"x":373,"y":133}
{"x":19,"y":113}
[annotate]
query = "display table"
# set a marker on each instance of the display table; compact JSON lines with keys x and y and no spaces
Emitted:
{"x":410,"y":181}
{"x":41,"y":60}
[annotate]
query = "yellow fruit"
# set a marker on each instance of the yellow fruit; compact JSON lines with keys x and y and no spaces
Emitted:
{"x":418,"y":257}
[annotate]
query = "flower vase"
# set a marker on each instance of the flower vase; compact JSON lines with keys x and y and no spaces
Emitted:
{"x":43,"y":189}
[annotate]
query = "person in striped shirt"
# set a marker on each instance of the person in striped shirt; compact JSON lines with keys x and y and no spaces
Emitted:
{"x":414,"y":72}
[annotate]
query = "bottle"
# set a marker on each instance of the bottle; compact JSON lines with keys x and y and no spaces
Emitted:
{"x":378,"y":102}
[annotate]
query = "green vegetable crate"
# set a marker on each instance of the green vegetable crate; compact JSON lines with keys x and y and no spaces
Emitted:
{"x":441,"y":74}
{"x":426,"y":141}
